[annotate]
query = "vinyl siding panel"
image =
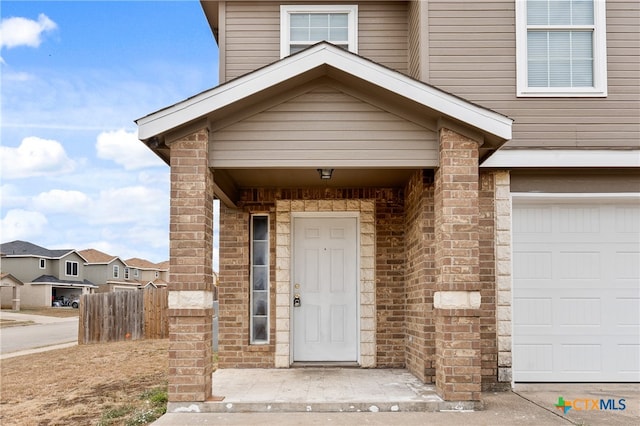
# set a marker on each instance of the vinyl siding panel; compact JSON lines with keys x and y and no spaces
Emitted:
{"x":324,"y":125}
{"x":253,"y":34}
{"x":473,"y":55}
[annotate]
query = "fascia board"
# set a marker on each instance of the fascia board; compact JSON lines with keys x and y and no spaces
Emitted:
{"x":548,"y":158}
{"x":320,"y":55}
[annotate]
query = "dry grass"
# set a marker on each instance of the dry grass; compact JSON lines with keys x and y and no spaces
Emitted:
{"x":61,"y":312}
{"x":101,"y":384}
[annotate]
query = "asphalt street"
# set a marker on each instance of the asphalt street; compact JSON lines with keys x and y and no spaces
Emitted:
{"x":20,"y":338}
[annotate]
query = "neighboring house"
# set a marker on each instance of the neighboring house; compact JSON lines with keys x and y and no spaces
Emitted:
{"x":450,"y":187}
{"x":10,"y":288}
{"x":46,"y":274}
{"x":148,"y":273}
{"x":109,"y":272}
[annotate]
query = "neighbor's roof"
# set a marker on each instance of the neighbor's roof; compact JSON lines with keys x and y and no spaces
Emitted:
{"x":136,"y":262}
{"x":6,"y":276}
{"x":50,"y":279}
{"x":23,"y":248}
{"x":96,"y":256}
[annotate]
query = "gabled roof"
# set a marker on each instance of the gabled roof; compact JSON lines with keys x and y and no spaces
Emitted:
{"x":96,"y":256}
{"x":50,"y":279}
{"x":310,"y":62}
{"x":26,"y":249}
{"x":136,"y":262}
{"x":8,"y":277}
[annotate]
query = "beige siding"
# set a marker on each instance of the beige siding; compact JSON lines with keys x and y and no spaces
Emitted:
{"x":252,"y":38}
{"x":414,"y":46}
{"x":472,"y":54}
{"x":324,"y":126}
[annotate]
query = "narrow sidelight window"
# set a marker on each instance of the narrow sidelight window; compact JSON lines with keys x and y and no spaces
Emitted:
{"x":259,"y":279}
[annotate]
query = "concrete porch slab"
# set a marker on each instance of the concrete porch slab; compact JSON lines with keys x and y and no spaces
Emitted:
{"x":320,"y":390}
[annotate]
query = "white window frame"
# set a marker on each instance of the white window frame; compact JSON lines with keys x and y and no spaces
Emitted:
{"x":43,"y":263}
{"x":285,"y":23}
{"x":136,"y":273}
{"x":116,"y":271}
{"x":69,"y":265}
{"x":599,"y":28}
{"x":126,"y":273}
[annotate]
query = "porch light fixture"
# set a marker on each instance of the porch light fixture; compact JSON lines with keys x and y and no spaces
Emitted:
{"x":325,"y":173}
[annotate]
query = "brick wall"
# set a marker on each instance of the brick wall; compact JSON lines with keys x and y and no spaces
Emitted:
{"x":234,"y":348}
{"x":487,"y":263}
{"x":419,"y":276}
{"x":457,"y":339}
{"x":191,"y":271}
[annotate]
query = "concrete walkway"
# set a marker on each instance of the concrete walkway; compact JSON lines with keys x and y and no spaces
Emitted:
{"x":334,"y":396}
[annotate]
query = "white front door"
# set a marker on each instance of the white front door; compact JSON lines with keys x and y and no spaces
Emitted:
{"x":325,"y":265}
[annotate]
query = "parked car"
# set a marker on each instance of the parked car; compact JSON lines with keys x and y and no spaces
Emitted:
{"x":60,"y":301}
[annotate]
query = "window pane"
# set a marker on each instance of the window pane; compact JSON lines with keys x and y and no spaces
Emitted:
{"x":537,"y":13}
{"x":259,"y":278}
{"x":338,"y":34}
{"x":318,"y":34}
{"x":319,"y":20}
{"x":259,"y":303}
{"x":339,"y":20}
{"x":582,"y":13}
{"x":559,"y":73}
{"x":299,"y":20}
{"x":260,"y":227}
{"x":560,"y":12}
{"x":559,"y":44}
{"x":583,"y":73}
{"x":260,"y":252}
{"x":260,"y":329}
{"x":299,"y":34}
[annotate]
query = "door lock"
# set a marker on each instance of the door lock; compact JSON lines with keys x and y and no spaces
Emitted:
{"x":296,"y":301}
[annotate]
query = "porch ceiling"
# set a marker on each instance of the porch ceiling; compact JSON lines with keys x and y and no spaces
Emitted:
{"x":341,"y":178}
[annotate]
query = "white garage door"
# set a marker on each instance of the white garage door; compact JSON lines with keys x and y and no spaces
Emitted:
{"x":576,"y":289}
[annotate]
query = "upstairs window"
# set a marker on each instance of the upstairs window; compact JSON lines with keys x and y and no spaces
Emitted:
{"x":71,"y":268}
{"x":305,"y":25}
{"x":126,"y":273}
{"x":561,"y":47}
{"x":116,"y":271}
{"x":43,"y":263}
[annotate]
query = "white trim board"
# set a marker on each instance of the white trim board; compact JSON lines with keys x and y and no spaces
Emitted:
{"x":531,"y":158}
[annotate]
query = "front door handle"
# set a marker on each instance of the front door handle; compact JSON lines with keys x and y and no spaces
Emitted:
{"x":296,"y":301}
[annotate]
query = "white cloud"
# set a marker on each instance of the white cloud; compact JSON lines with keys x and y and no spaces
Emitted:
{"x":61,"y":201}
{"x":34,"y":157}
{"x":22,"y":225}
{"x":125,"y":149}
{"x":18,"y":31}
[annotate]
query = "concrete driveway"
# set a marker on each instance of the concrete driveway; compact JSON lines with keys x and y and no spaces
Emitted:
{"x":45,"y":333}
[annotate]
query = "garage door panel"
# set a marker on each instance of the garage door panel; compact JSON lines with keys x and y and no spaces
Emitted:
{"x":576,"y":294}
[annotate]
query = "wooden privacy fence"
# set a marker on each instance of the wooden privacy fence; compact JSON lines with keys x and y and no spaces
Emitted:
{"x":123,"y":315}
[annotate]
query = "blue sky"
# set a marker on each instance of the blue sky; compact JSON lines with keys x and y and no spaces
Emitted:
{"x":74,"y":77}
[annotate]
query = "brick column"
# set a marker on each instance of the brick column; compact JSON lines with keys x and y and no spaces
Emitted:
{"x":457,"y":296}
{"x":191,"y":271}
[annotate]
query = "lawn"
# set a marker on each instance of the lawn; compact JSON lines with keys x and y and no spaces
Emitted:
{"x":119,"y":383}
